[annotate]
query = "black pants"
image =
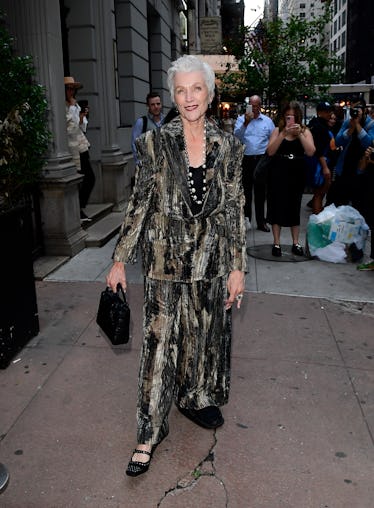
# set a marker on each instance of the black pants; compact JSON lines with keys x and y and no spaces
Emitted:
{"x":249,"y":185}
{"x":88,"y":182}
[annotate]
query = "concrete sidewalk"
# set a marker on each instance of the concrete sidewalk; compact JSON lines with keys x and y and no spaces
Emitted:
{"x":299,"y":426}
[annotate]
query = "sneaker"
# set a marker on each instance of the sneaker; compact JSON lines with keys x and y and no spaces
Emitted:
{"x":366,"y":267}
{"x":297,"y":249}
{"x":276,"y":251}
{"x":247,"y":224}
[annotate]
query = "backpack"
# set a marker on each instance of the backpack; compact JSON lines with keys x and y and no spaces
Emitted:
{"x":145,"y":122}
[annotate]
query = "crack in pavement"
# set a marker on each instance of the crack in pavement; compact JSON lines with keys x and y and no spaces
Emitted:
{"x":205,"y":468}
{"x":364,"y":308}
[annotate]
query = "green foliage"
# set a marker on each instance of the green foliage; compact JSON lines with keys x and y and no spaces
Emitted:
{"x":283,"y":61}
{"x":24,"y":134}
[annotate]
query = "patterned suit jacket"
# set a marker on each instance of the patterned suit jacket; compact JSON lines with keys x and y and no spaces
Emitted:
{"x":175,"y":244}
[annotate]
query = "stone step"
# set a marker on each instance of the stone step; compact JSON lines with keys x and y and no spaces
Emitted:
{"x":104,"y":224}
{"x":101,"y":231}
{"x":95,"y":212}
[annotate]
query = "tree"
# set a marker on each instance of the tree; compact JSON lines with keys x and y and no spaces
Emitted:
{"x":284,"y":60}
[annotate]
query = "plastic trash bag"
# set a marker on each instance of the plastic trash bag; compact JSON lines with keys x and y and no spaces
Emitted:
{"x":332,"y":233}
{"x":348,"y":226}
{"x":318,"y":229}
{"x":333,"y":253}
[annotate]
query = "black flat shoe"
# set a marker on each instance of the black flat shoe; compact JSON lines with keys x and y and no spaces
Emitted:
{"x":276,"y":251}
{"x":264,"y":227}
{"x":136,"y":468}
{"x":209,"y":417}
{"x":297,"y":250}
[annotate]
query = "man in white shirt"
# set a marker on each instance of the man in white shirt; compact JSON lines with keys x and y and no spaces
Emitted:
{"x":254,"y":130}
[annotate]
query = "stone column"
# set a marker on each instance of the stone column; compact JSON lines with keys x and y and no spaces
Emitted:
{"x":36,"y":25}
{"x":116,"y":183}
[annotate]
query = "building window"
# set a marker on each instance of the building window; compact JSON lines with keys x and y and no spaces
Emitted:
{"x":343,"y":39}
{"x":302,"y":6}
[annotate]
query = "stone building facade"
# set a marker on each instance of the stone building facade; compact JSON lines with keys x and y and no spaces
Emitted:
{"x":119,"y":50}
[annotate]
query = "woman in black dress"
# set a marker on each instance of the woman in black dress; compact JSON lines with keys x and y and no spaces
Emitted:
{"x":289,"y":143}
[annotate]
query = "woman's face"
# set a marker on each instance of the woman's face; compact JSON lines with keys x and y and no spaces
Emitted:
{"x":70,"y":92}
{"x":332,"y":120}
{"x":191,"y":95}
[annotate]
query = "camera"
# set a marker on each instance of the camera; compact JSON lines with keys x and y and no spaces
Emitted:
{"x":354,"y":112}
{"x":84,"y":106}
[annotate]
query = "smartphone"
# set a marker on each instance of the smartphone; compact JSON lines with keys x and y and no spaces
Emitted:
{"x":249,"y":109}
{"x":290,"y":120}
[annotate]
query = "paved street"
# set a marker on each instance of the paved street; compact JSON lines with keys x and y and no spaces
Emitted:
{"x":299,"y":426}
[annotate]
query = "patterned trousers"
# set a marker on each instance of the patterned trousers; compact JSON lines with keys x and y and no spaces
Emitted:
{"x":186,"y":351}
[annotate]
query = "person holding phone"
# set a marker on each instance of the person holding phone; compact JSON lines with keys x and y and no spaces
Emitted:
{"x":254,"y":130}
{"x":289,"y":143}
{"x":78,"y":144}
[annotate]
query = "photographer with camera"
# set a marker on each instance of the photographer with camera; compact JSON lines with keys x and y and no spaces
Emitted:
{"x":78,"y":144}
{"x":355,"y":136}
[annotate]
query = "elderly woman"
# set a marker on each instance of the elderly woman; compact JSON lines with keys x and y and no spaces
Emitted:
{"x":288,"y":144}
{"x":186,"y":213}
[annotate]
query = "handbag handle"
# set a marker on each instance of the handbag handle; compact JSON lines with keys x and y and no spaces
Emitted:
{"x":121,"y":290}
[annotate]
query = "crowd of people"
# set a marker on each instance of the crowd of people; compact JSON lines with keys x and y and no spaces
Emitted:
{"x":188,"y":214}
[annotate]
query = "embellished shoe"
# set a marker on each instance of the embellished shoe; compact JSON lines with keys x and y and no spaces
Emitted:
{"x":209,"y":417}
{"x":276,"y":251}
{"x":297,"y":249}
{"x":136,"y":468}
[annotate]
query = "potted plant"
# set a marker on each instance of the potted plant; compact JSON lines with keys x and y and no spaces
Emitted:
{"x":24,"y":139}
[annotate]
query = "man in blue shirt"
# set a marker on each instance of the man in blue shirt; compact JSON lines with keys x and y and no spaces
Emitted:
{"x":152,"y":120}
{"x":254,"y":130}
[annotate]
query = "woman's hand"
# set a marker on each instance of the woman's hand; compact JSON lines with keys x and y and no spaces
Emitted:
{"x":117,"y":275}
{"x":235,"y":287}
{"x":294,"y":129}
{"x":368,"y":154}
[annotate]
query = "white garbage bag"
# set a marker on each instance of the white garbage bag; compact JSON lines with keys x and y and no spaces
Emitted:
{"x":334,"y":230}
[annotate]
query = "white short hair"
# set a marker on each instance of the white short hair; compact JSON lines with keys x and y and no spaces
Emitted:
{"x":191,"y":63}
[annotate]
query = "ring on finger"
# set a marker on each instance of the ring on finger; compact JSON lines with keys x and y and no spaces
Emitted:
{"x":239,"y":297}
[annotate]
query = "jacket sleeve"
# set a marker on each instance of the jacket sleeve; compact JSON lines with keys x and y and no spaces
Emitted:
{"x":140,"y":202}
{"x":235,"y":207}
{"x":135,"y":133}
{"x":342,"y":138}
{"x":366,"y":135}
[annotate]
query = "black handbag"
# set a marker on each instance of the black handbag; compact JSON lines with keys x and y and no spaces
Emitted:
{"x":260,"y":174}
{"x":113,"y":315}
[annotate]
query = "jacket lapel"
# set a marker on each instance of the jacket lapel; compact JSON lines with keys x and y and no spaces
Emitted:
{"x":174,"y":152}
